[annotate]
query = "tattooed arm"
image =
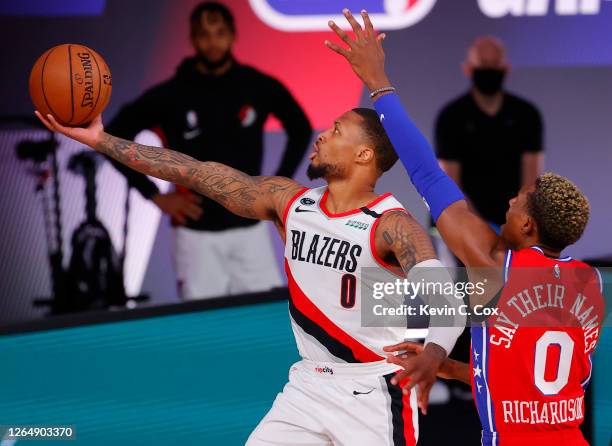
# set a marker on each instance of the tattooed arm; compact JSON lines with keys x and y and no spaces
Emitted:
{"x":262,"y":198}
{"x":402,"y":241}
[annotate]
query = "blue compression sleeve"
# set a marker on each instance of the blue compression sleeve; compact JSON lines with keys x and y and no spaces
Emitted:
{"x":437,"y":189}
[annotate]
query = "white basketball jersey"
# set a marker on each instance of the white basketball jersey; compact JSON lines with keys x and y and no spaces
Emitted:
{"x":324,"y":257}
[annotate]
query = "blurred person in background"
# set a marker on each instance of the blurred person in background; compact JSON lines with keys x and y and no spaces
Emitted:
{"x":214,"y":109}
{"x":489,"y":141}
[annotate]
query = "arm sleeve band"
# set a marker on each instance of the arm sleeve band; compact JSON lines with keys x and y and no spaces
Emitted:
{"x":437,"y":189}
{"x":447,"y":322}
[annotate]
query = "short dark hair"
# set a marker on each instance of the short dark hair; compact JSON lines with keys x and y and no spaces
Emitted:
{"x":560,"y":209}
{"x":377,"y":136}
{"x":214,"y":8}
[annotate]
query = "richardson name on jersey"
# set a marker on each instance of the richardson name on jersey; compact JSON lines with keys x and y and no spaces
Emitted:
{"x":545,"y":412}
{"x":324,"y":251}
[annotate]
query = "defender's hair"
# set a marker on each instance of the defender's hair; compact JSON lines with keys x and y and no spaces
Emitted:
{"x":560,"y":210}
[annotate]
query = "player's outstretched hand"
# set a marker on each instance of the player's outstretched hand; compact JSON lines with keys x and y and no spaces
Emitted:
{"x":408,"y":349}
{"x":421,"y":366}
{"x":364,"y":53}
{"x":90,"y":135}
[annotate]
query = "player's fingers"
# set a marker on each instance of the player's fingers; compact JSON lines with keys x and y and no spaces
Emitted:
{"x":178,"y":217}
{"x":340,"y":32}
{"x":194,"y":198}
{"x":354,"y":23}
{"x":393,"y":348}
{"x":395,"y":359}
{"x":400,"y":376}
{"x":404,"y":346}
{"x":194,"y":211}
{"x":332,"y":46}
{"x":410,"y":346}
{"x":44,"y":121}
{"x":56,"y":125}
{"x":381,"y":37}
{"x":367,"y":22}
{"x":423,"y":397}
{"x":409,"y":385}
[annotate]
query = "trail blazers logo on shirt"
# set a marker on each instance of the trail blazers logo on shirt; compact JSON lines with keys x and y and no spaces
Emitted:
{"x":247,"y":115}
{"x":192,"y":124}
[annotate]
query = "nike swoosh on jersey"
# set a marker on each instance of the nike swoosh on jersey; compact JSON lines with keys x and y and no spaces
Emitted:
{"x":362,"y":393}
{"x":298,"y":209}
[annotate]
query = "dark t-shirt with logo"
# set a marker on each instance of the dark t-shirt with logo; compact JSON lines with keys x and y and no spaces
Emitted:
{"x":215,"y":118}
{"x":489,"y":149}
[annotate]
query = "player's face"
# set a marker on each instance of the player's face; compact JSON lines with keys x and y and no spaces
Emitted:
{"x":518,"y":221}
{"x":336,"y":149}
{"x":212,"y":39}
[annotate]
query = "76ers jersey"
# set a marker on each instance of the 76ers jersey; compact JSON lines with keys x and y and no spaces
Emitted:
{"x":532,"y":360}
{"x":325,"y":255}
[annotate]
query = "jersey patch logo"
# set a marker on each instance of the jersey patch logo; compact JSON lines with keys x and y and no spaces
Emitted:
{"x":357,"y":224}
{"x":307,"y":201}
{"x":557,"y":271}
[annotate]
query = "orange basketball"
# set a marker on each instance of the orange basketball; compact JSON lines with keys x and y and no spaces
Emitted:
{"x":72,"y":82}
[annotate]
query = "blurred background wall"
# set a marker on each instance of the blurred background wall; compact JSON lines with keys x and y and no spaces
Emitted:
{"x":561,"y":62}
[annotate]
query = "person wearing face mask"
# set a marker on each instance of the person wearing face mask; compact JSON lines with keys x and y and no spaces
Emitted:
{"x":214,"y":109}
{"x":489,"y":141}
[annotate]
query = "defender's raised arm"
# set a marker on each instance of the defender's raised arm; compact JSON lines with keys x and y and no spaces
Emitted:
{"x":465,"y":233}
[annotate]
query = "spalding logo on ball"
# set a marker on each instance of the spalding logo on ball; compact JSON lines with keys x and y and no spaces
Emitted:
{"x":72,"y":82}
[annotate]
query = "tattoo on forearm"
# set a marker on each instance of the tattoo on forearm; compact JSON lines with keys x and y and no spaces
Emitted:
{"x":231,"y":188}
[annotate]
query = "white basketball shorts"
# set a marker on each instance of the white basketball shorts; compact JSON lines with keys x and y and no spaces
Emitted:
{"x":341,"y":405}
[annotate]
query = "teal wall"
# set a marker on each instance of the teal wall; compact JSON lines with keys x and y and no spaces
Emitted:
{"x":200,"y":378}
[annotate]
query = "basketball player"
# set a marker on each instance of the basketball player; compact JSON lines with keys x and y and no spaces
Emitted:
{"x":531,"y":358}
{"x":341,"y":392}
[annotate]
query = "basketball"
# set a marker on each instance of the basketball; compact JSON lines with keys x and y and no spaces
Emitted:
{"x":72,"y":82}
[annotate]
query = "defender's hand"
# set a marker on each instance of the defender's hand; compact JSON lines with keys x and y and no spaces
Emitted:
{"x":409,"y":349}
{"x":364,"y":53}
{"x":421,"y":367}
{"x":90,"y":135}
{"x":179,"y":205}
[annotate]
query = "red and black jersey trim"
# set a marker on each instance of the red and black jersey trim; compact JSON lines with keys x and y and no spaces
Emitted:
{"x":314,"y":322}
{"x":336,"y":348}
{"x":401,"y":414}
